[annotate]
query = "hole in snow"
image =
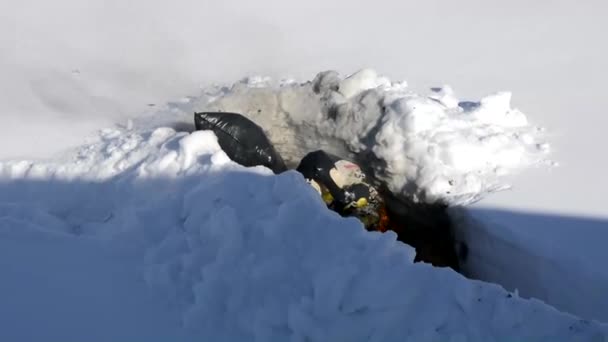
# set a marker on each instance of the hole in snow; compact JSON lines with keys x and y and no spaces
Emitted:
{"x":424,"y":226}
{"x":428,"y":229}
{"x":425,"y":151}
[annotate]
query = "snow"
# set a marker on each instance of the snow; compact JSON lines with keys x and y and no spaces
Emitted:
{"x":234,"y":253}
{"x":525,"y":251}
{"x":425,"y":147}
{"x":431,"y":147}
{"x":48,"y":291}
{"x":69,"y":68}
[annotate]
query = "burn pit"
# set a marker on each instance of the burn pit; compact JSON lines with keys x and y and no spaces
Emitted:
{"x":345,"y":188}
{"x":423,"y":152}
{"x":428,"y":229}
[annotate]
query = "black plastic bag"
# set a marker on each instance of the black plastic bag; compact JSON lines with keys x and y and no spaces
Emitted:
{"x":242,"y":139}
{"x":316,"y":166}
{"x":343,"y":186}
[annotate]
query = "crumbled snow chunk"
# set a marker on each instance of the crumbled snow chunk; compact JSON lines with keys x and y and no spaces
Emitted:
{"x":496,"y":110}
{"x":196,"y":144}
{"x":414,"y":115}
{"x":360,"y":81}
{"x":445,"y":95}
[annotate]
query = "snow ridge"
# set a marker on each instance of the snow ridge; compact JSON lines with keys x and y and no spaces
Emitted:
{"x":246,"y":255}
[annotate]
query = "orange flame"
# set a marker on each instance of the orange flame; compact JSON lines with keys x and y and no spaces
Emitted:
{"x":384,"y":222}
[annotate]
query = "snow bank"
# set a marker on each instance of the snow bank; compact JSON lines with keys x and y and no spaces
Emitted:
{"x":425,"y":147}
{"x":246,"y":255}
{"x":556,"y":258}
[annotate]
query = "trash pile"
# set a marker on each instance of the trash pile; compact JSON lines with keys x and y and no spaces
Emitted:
{"x":343,"y":187}
{"x":341,"y":183}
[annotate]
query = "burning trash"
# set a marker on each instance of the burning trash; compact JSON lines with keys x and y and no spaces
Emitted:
{"x":344,"y":188}
{"x":342,"y":185}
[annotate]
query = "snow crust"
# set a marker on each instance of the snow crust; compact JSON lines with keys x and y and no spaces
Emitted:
{"x":242,"y":254}
{"x":429,"y":148}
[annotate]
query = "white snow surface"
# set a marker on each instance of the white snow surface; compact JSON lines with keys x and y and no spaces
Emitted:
{"x":58,"y":288}
{"x":237,"y":254}
{"x":429,"y":148}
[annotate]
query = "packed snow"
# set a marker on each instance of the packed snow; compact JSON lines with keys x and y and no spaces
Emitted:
{"x":242,"y":254}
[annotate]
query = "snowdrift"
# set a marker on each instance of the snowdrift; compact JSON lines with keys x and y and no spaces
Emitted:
{"x":244,"y":255}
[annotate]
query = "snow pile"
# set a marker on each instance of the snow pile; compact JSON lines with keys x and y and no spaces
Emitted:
{"x":246,"y":255}
{"x":425,"y":147}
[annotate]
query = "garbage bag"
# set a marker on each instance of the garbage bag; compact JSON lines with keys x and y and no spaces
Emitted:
{"x":344,"y":188}
{"x":242,"y":139}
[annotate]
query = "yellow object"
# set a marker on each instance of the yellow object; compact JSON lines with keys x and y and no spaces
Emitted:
{"x":361,"y":202}
{"x":327,"y":197}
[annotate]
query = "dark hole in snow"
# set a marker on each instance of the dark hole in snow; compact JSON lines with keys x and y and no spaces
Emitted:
{"x":427,"y":228}
{"x":468,"y":106}
{"x":181,"y":126}
{"x":332,"y":112}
